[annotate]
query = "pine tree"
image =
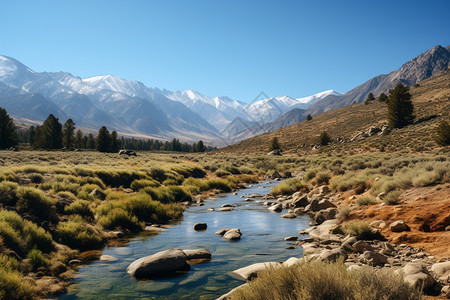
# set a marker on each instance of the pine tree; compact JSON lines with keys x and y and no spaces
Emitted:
{"x":69,"y":134}
{"x":370,"y":97}
{"x":79,"y":139}
{"x":91,"y":141}
{"x":115,"y":143}
{"x":8,"y":134}
{"x":383,"y":98}
{"x":103,"y":140}
{"x":308,"y":117}
{"x":50,"y":134}
{"x":443,"y":134}
{"x":31,"y":135}
{"x":274,"y":145}
{"x":324,"y":138}
{"x":400,"y":107}
{"x":200,"y":146}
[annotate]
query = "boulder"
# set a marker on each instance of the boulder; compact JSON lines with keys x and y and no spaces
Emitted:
{"x":274,"y":153}
{"x":347,"y":244}
{"x":291,"y":238}
{"x":222,"y":231}
{"x":108,"y":258}
{"x":250,"y":272}
{"x":333,"y":255}
{"x":225,"y":209}
{"x":98,"y":194}
{"x":445,"y":291}
{"x":399,"y":226}
{"x":200,"y":226}
{"x":311,"y":248}
{"x":317,"y":205}
{"x":230,"y":293}
{"x":289,"y":216}
{"x":373,"y":258}
{"x":276,"y":208}
{"x":233,"y":234}
{"x":442,"y":270}
{"x":291,"y":261}
{"x":417,"y":275}
{"x":127,"y":152}
{"x":227,"y":205}
{"x":325,"y":214}
{"x":162,"y":262}
{"x":197,"y":254}
{"x":299,"y":200}
{"x":325,"y":231}
{"x":362,"y":246}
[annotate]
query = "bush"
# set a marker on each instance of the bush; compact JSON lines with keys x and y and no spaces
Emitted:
{"x":139,"y":184}
{"x":392,"y":198}
{"x":158,"y":174}
{"x":78,"y":235}
{"x":443,"y":134}
{"x":36,"y":178}
{"x":360,"y":229}
{"x":288,"y":187}
{"x":324,"y":138}
{"x":119,"y":218}
{"x":35,"y":202}
{"x":364,"y":200}
{"x":8,"y":193}
{"x":321,"y":280}
{"x":222,"y":173}
{"x":80,"y":207}
{"x":344,"y":213}
{"x":37,"y":259}
{"x":322,"y":177}
{"x":12,"y":284}
{"x":148,"y":210}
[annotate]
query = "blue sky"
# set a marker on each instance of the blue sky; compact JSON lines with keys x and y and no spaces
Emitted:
{"x":228,"y":48}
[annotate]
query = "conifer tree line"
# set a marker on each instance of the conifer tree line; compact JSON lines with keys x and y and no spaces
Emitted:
{"x":54,"y":135}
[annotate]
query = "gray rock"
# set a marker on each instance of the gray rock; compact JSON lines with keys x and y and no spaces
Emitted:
{"x":276,"y":208}
{"x":325,"y":214}
{"x":289,"y":216}
{"x":291,"y":261}
{"x":445,"y":291}
{"x":325,"y":231}
{"x":417,"y":275}
{"x":98,"y":194}
{"x":227,"y":205}
{"x":161,"y":262}
{"x":399,"y":226}
{"x":348,"y":243}
{"x":373,"y":258}
{"x":230,"y":293}
{"x":299,"y":200}
{"x":108,"y":258}
{"x":333,"y":255}
{"x":225,"y":209}
{"x":311,"y":248}
{"x":222,"y":231}
{"x":200,"y":226}
{"x":197,"y":254}
{"x":249,"y":272}
{"x":442,"y":270}
{"x":317,"y":205}
{"x":233,"y":234}
{"x":291,"y":238}
{"x":362,"y":246}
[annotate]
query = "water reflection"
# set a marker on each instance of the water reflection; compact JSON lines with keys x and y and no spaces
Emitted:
{"x":262,"y":240}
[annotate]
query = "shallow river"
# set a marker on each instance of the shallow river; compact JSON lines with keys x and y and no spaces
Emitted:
{"x":262,"y":240}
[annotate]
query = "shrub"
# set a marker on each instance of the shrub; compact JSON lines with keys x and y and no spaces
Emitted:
{"x":321,"y":280}
{"x":13,"y":286}
{"x":220,"y":184}
{"x":364,"y":200}
{"x":79,"y":235}
{"x":37,"y":259}
{"x":37,"y":237}
{"x":118,"y":217}
{"x":322,"y":177}
{"x":158,"y":174}
{"x":8,"y":193}
{"x":148,"y":210}
{"x":392,"y":197}
{"x":324,"y":138}
{"x":35,"y":202}
{"x":288,"y":187}
{"x":139,"y":184}
{"x":360,"y":229}
{"x":36,"y":178}
{"x":222,"y":173}
{"x":443,"y":134}
{"x":344,"y":213}
{"x":80,"y":207}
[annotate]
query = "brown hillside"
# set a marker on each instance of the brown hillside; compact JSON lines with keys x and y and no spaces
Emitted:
{"x":430,"y":98}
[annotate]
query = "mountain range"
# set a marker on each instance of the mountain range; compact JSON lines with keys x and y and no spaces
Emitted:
{"x":134,"y":109}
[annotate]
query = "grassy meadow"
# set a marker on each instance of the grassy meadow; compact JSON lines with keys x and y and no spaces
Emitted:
{"x":50,"y":215}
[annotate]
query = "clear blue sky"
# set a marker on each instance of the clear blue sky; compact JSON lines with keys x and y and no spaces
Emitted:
{"x":230,"y":48}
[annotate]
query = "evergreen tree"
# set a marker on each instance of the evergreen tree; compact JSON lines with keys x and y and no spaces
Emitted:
{"x":69,"y":134}
{"x":400,"y":107}
{"x":308,"y":117}
{"x":79,"y":139}
{"x":115,"y":143}
{"x":274,"y":145}
{"x":50,"y":134}
{"x":383,"y":98}
{"x":90,"y":142}
{"x":200,"y":146}
{"x":324,"y":138}
{"x":370,"y":97}
{"x":103,"y":140}
{"x":31,"y":135}
{"x":8,"y":134}
{"x":443,"y":134}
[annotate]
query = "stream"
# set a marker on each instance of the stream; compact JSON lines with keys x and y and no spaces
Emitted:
{"x":262,"y":230}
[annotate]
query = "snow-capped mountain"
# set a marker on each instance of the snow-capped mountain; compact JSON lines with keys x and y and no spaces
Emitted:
{"x":270,"y":109}
{"x":218,"y":111}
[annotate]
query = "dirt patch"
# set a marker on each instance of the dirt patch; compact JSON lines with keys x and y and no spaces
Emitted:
{"x":425,"y":210}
